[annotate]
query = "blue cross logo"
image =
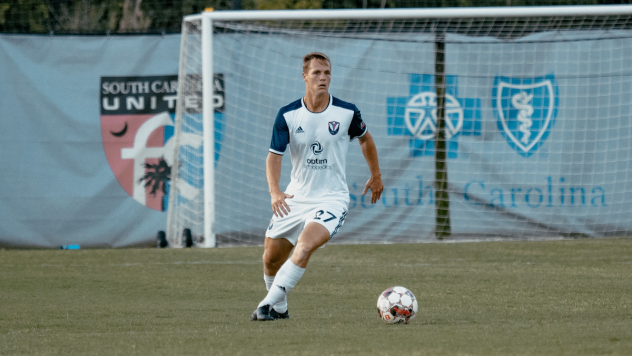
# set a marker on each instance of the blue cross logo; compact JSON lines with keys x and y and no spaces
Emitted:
{"x":415,"y":116}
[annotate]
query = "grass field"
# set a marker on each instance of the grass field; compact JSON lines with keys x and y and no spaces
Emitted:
{"x":571,"y":297}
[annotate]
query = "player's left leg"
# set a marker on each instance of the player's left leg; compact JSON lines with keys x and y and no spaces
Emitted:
{"x":313,"y":236}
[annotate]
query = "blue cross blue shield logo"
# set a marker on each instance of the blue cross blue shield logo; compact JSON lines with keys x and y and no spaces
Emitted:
{"x":420,"y":115}
{"x":415,"y":116}
{"x":525,"y":109}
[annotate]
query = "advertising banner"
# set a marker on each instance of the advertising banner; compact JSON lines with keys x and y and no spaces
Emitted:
{"x":538,"y":135}
{"x":87,"y":121}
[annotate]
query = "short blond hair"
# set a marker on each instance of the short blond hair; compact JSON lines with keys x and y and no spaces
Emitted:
{"x":307,"y":59}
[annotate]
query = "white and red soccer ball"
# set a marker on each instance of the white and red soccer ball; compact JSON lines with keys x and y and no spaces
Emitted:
{"x":397,"y":305}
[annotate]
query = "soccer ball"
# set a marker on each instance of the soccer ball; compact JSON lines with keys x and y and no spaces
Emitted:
{"x":397,"y":305}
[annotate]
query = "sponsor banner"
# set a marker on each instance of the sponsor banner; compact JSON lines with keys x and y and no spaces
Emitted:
{"x":83,"y":111}
{"x":538,"y":148}
{"x":510,"y":131}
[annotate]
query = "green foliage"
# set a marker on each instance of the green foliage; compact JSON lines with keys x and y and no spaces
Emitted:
{"x":160,"y":16}
{"x":288,"y":4}
{"x":24,"y":15}
{"x":3,"y":9}
{"x":101,"y":16}
{"x":489,"y":298}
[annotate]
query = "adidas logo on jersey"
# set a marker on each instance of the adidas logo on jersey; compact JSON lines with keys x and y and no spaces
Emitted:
{"x":300,"y":130}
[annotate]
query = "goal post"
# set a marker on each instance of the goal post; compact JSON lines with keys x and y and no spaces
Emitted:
{"x":522,"y":111}
{"x":208,"y":131}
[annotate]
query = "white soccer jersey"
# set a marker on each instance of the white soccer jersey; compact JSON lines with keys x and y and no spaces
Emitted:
{"x":318,"y":148}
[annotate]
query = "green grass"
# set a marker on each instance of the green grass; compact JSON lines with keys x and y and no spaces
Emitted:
{"x":569,"y":297}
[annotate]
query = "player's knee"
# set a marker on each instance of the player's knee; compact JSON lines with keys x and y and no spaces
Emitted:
{"x":270,"y":259}
{"x":267,"y":259}
{"x":305,"y":248}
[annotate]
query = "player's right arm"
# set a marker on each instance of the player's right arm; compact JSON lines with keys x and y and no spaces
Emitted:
{"x":273,"y":174}
{"x":280,"y":140}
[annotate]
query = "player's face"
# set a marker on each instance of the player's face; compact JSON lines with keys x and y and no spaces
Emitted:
{"x":318,"y":77}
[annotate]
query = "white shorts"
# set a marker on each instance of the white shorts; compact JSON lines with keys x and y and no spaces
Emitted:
{"x":329,"y":214}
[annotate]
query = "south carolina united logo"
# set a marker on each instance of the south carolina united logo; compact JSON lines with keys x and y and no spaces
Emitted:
{"x":136,"y":126}
{"x":525,"y":109}
{"x":137,"y":115}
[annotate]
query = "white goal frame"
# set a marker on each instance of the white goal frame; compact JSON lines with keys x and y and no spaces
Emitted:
{"x":208,"y":17}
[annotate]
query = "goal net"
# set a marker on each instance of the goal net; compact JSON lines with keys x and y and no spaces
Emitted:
{"x":489,"y":122}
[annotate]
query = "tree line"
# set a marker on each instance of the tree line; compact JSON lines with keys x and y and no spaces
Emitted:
{"x":165,"y":16}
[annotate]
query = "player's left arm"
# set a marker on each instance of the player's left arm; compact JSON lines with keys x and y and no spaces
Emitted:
{"x":370,"y":154}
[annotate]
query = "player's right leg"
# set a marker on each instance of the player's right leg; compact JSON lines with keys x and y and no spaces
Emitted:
{"x":280,"y":239}
{"x":311,"y":238}
{"x":276,"y":252}
{"x":321,"y":222}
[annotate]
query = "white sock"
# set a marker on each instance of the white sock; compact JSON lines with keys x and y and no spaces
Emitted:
{"x":281,"y":306}
{"x":289,"y":274}
{"x":268,"y":280}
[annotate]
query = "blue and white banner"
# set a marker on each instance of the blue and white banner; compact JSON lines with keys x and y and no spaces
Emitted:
{"x":78,"y":113}
{"x":538,"y":135}
{"x":538,"y":132}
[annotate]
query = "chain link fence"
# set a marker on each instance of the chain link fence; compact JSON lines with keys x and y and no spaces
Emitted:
{"x":99,"y":17}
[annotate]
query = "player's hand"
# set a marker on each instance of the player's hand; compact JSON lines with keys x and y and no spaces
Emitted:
{"x":279,"y":205}
{"x":376,"y":186}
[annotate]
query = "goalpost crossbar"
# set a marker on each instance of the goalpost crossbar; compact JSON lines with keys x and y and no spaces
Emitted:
{"x":414,"y":13}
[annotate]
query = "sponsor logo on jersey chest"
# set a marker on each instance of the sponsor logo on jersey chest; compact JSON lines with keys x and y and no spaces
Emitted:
{"x":316,"y":163}
{"x":316,"y":148}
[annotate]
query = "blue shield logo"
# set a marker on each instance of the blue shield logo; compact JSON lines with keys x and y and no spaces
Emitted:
{"x":334,"y":126}
{"x":525,"y":109}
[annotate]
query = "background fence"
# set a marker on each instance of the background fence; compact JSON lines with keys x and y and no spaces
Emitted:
{"x":97,"y":17}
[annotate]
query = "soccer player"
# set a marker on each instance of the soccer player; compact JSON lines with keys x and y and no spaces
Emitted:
{"x":318,"y":129}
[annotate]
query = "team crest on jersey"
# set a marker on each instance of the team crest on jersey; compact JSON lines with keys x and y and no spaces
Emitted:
{"x":525,"y":109}
{"x":415,"y":116}
{"x":137,"y":115}
{"x":334,"y":127}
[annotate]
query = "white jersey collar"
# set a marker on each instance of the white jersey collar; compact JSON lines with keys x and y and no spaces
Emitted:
{"x":331,"y":99}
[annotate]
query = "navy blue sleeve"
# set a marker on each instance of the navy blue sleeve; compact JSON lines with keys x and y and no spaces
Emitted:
{"x":357,"y":127}
{"x":280,"y":135}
